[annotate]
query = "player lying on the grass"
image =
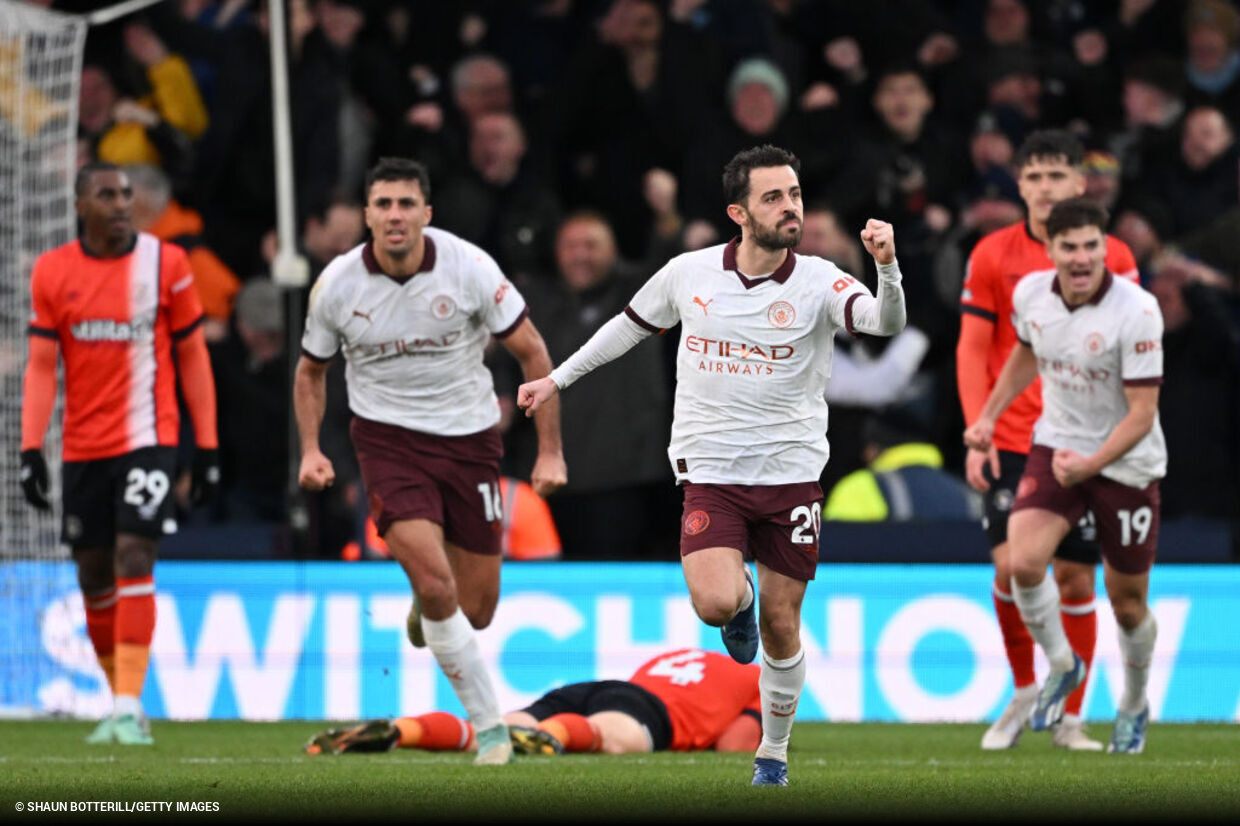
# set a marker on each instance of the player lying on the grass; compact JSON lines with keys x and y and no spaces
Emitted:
{"x":1096,"y":341}
{"x":685,"y":700}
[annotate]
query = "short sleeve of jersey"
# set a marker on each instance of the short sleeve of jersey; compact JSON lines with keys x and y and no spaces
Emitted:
{"x":184,"y":306}
{"x":655,"y":304}
{"x":502,"y":304}
{"x":842,"y":295}
{"x":44,"y":319}
{"x":1141,"y":339}
{"x":320,"y":339}
{"x":977,"y":294}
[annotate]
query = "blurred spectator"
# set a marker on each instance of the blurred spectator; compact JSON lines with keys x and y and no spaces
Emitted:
{"x":500,"y":203}
{"x":1215,"y":245}
{"x":1102,"y":178}
{"x":1202,"y":184}
{"x":1153,"y":103}
{"x":252,"y":389}
{"x":1145,"y":225}
{"x":235,"y":180}
{"x":157,"y":212}
{"x":632,"y":100}
{"x":339,"y":24}
{"x":1198,"y":403}
{"x":157,"y":127}
{"x":759,"y":110}
{"x":903,"y":481}
{"x":329,"y":230}
{"x":1212,"y":30}
{"x":620,"y":495}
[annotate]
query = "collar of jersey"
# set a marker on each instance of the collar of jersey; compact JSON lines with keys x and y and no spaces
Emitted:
{"x":133,"y":244}
{"x":1107,"y":278}
{"x":373,"y":267}
{"x":781,"y":273}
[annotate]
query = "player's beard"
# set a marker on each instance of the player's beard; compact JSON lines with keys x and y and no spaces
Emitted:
{"x":772,"y":238}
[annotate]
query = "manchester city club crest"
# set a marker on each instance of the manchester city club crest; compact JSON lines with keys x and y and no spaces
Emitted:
{"x":781,"y":314}
{"x":443,"y":307}
{"x":1094,"y":343}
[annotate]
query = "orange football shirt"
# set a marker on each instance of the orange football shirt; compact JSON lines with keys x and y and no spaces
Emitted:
{"x":116,"y":320}
{"x":997,"y":263}
{"x":704,"y":692}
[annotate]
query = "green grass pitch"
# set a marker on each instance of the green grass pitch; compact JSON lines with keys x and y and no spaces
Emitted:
{"x":838,"y":772}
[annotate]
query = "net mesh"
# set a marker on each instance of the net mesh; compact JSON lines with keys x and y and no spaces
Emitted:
{"x":40,"y":63}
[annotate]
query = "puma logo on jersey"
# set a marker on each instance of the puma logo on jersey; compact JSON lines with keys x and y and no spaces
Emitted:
{"x":360,"y":314}
{"x":698,"y":301}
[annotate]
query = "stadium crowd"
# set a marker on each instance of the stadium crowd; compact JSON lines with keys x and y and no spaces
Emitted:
{"x":580,"y":142}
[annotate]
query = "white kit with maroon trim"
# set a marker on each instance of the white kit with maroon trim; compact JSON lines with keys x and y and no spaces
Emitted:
{"x":414,"y":345}
{"x":1086,"y":355}
{"x":753,"y":360}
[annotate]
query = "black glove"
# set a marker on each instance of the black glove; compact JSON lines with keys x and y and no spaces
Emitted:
{"x":205,"y":476}
{"x":34,"y":479}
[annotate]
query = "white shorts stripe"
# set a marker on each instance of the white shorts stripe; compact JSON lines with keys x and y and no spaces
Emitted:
{"x":143,"y":306}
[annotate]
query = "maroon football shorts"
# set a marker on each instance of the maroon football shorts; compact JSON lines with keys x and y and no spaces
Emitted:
{"x":1127,"y":517}
{"x":450,"y":480}
{"x":776,"y":525}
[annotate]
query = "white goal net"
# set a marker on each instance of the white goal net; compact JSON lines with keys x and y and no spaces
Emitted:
{"x":40,"y":63}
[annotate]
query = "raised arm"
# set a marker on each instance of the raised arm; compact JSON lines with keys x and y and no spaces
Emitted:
{"x":884,"y":314}
{"x":528,"y":348}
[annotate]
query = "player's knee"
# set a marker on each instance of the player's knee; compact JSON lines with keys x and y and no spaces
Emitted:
{"x":436,"y":594}
{"x":780,"y":631}
{"x":135,"y":556}
{"x":479,"y":614}
{"x":714,"y":610}
{"x":1128,"y":610}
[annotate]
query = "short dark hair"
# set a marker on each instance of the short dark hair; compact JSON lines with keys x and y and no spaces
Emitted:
{"x":82,"y":181}
{"x":399,"y":169}
{"x":1074,"y":213}
{"x":736,"y":173}
{"x":1049,"y":145}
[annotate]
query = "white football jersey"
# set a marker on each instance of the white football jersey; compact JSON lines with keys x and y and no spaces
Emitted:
{"x":752,"y":364}
{"x":413,"y":347}
{"x":1086,"y":355}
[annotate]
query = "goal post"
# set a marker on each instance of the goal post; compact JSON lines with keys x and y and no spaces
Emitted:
{"x":40,"y":64}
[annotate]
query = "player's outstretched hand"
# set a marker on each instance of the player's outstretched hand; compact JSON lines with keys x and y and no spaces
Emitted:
{"x":1070,"y":467}
{"x":33,"y":476}
{"x":205,"y":476}
{"x":975,"y":463}
{"x":316,"y":471}
{"x":880,"y":241}
{"x":549,"y":474}
{"x":532,"y":394}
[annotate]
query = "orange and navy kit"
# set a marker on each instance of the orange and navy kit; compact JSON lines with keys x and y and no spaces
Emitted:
{"x":704,"y":692}
{"x":998,"y":262}
{"x":116,"y":321}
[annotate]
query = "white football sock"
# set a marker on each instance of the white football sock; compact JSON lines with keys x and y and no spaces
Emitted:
{"x":746,"y":600}
{"x":1137,"y":646}
{"x":779,"y":686}
{"x":1039,"y":608}
{"x":123,"y":704}
{"x":455,"y":647}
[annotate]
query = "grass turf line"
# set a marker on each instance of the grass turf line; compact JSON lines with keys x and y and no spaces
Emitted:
{"x":924,"y":772}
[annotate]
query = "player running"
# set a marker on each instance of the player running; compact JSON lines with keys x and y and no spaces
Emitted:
{"x":1096,"y":342}
{"x":686,"y":700}
{"x":749,"y":434}
{"x":119,"y":307}
{"x":412,"y":310}
{"x":1048,"y":169}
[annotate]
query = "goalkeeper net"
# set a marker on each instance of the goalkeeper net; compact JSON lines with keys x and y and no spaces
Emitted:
{"x":40,"y":63}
